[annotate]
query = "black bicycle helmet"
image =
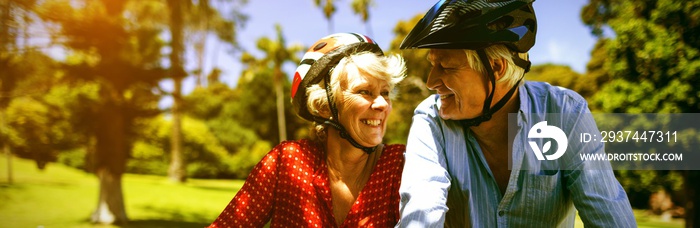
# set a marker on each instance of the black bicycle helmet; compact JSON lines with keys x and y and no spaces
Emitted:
{"x":316,"y":65}
{"x":476,"y":25}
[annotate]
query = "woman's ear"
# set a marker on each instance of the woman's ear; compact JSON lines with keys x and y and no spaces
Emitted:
{"x":325,"y":112}
{"x":499,"y":67}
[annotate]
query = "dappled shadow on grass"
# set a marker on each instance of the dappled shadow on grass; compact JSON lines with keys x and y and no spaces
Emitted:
{"x":8,"y":186}
{"x":221,"y":189}
{"x":24,"y":183}
{"x":171,"y":217}
{"x":163,"y":224}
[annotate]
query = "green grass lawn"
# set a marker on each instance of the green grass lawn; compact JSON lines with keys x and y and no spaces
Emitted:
{"x":61,"y":196}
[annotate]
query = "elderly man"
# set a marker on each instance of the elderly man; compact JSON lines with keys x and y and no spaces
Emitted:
{"x":477,"y":150}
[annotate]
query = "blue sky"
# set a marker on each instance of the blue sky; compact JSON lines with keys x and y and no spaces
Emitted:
{"x":562,"y":38}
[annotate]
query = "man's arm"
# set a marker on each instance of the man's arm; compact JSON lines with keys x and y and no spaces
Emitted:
{"x":425,"y":180}
{"x":597,"y":195}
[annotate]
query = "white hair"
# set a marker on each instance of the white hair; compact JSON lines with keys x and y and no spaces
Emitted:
{"x":513,"y":72}
{"x":390,"y":68}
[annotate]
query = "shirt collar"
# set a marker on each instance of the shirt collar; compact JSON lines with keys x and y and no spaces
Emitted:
{"x":525,"y":106}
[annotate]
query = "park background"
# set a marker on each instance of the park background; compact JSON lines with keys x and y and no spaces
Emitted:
{"x":154,"y":111}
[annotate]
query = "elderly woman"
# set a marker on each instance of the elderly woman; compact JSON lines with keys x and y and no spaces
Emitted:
{"x":346,"y":177}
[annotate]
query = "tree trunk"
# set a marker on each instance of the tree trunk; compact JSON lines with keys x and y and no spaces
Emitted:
{"x":6,"y":149}
{"x":110,"y":204}
{"x":5,"y":25}
{"x":692,"y":210}
{"x":176,"y":171}
{"x":281,"y":122}
{"x":6,"y":82}
{"x":199,"y":46}
{"x":110,"y":162}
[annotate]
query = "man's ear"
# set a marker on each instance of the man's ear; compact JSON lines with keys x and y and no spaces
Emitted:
{"x":499,"y":67}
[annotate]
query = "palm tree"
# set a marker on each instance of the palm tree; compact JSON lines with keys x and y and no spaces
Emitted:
{"x":196,"y":19}
{"x":176,"y":171}
{"x":276,"y":54}
{"x":198,"y":35}
{"x":361,"y":7}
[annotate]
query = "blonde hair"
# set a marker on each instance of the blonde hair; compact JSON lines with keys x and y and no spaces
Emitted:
{"x":390,"y":68}
{"x":513,"y":72}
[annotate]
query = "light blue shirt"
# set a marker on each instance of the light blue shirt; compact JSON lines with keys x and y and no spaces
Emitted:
{"x":446,"y":180}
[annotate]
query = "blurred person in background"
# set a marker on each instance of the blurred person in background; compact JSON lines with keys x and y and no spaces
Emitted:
{"x":346,"y":177}
{"x":463,"y":168}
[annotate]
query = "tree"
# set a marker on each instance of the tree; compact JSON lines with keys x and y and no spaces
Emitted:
{"x":564,"y":76}
{"x":230,"y":114}
{"x":412,"y":90}
{"x":198,"y":19}
{"x":36,"y":125}
{"x":328,"y":8}
{"x":176,"y":171}
{"x":361,"y":7}
{"x":119,"y":53}
{"x":596,"y":76}
{"x":255,"y":106}
{"x":216,"y":104}
{"x":653,"y":61}
{"x":204,"y":19}
{"x":13,"y":19}
{"x":558,"y":75}
{"x":276,"y":54}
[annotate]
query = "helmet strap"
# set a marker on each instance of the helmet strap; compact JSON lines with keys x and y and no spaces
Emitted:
{"x":522,"y":63}
{"x":488,"y":111}
{"x":334,"y":120}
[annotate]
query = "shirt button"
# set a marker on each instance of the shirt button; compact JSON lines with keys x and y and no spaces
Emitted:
{"x":501,"y":213}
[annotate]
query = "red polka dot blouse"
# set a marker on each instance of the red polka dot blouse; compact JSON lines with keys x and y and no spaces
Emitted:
{"x":290,"y":185}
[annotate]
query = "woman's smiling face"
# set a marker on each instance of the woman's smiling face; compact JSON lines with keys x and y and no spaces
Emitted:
{"x":364,"y":107}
